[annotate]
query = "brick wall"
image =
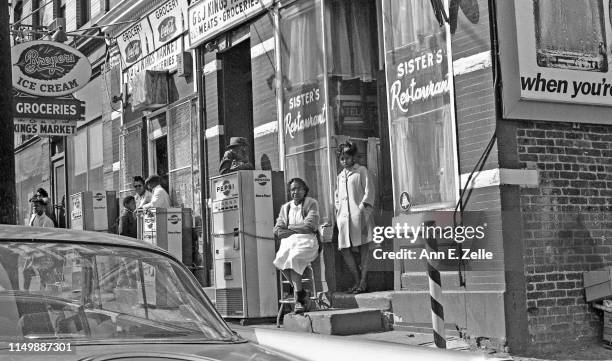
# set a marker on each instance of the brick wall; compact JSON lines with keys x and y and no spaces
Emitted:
{"x":567,"y":227}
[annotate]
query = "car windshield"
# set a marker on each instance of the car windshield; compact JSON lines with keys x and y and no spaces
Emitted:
{"x":99,"y":292}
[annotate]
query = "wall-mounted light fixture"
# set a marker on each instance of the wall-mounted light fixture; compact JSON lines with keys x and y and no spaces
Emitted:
{"x":212,"y":45}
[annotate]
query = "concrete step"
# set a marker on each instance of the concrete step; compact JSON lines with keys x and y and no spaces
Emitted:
{"x":376,"y":300}
{"x":337,"y":321}
{"x":450,"y":329}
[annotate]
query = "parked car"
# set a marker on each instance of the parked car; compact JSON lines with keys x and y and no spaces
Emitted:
{"x":77,"y":295}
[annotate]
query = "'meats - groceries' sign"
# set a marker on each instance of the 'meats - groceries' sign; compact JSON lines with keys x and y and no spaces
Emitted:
{"x":49,"y":69}
{"x":208,"y":18}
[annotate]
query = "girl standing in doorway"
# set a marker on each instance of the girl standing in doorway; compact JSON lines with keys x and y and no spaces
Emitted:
{"x":354,"y":211}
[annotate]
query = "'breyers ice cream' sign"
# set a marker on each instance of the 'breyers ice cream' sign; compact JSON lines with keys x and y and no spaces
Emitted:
{"x":167,"y":21}
{"x":48,"y":68}
{"x":136,"y":42}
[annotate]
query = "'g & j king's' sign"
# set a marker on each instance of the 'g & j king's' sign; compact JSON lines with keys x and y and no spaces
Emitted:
{"x":48,"y":68}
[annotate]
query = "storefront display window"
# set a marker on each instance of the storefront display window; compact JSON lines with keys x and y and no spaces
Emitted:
{"x":419,"y":98}
{"x":352,"y":62}
{"x":303,"y":96}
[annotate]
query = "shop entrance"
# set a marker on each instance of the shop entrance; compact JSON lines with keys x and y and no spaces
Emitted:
{"x":158,"y":146}
{"x":348,"y":91}
{"x":58,"y":180}
{"x":236,"y":93}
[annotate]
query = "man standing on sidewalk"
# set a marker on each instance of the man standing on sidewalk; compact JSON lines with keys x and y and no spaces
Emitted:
{"x":160,"y":198}
{"x":39,"y":218}
{"x":142,"y":196}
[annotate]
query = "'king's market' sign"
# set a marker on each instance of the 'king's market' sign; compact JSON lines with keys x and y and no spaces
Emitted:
{"x":49,"y":69}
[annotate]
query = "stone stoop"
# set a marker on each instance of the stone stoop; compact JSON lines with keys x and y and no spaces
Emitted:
{"x":337,"y":322}
{"x":377,"y":300}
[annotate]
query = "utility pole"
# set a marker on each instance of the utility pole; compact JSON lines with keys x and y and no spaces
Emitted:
{"x":7,"y":148}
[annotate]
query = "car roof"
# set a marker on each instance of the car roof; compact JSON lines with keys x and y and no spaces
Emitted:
{"x":27,"y":233}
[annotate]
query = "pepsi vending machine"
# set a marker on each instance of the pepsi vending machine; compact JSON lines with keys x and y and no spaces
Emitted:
{"x":243,"y":215}
{"x":93,"y":210}
{"x":170,"y":229}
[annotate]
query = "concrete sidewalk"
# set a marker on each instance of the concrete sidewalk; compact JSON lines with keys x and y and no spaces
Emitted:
{"x":406,"y":337}
{"x":394,"y":336}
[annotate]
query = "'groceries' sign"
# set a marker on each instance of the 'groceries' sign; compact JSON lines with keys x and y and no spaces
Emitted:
{"x":50,"y":69}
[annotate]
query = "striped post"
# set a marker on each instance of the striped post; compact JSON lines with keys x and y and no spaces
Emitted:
{"x":435,"y":293}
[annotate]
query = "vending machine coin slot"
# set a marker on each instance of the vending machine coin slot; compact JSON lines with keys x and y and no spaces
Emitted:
{"x":236,"y":239}
{"x":227,"y":270}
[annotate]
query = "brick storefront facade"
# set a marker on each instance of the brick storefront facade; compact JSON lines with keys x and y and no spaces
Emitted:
{"x":566,"y":225}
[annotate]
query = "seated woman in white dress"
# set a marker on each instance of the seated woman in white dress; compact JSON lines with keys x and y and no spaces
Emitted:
{"x":297,"y":227}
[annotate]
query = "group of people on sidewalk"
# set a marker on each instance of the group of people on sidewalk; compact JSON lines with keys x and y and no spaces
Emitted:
{"x":149,"y":193}
{"x":298,"y":225}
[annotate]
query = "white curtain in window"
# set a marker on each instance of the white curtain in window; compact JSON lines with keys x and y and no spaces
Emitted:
{"x":301,"y":40}
{"x":350,"y":41}
{"x":423,"y":146}
{"x":410,"y":19}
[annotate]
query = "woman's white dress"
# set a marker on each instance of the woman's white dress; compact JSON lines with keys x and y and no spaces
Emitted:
{"x":298,"y":250}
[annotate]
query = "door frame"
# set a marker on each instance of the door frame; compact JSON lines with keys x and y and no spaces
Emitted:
{"x":57,"y":161}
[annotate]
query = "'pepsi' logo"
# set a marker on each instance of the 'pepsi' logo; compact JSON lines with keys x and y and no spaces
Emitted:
{"x":99,"y":196}
{"x":262,"y":179}
{"x":174,"y":219}
{"x":225,"y":187}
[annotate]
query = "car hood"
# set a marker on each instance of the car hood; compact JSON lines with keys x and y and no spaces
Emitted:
{"x":157,"y":352}
{"x":316,"y":347}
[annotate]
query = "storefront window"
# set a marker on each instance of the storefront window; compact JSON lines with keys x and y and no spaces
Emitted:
{"x":419,"y":98}
{"x":304,"y":107}
{"x":352,"y":61}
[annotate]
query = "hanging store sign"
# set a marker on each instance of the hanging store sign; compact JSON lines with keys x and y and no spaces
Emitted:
{"x":208,"y":18}
{"x":136,"y":42}
{"x":304,"y":115}
{"x":45,"y":127}
{"x":49,"y":69}
{"x":167,"y":21}
{"x":64,"y":108}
